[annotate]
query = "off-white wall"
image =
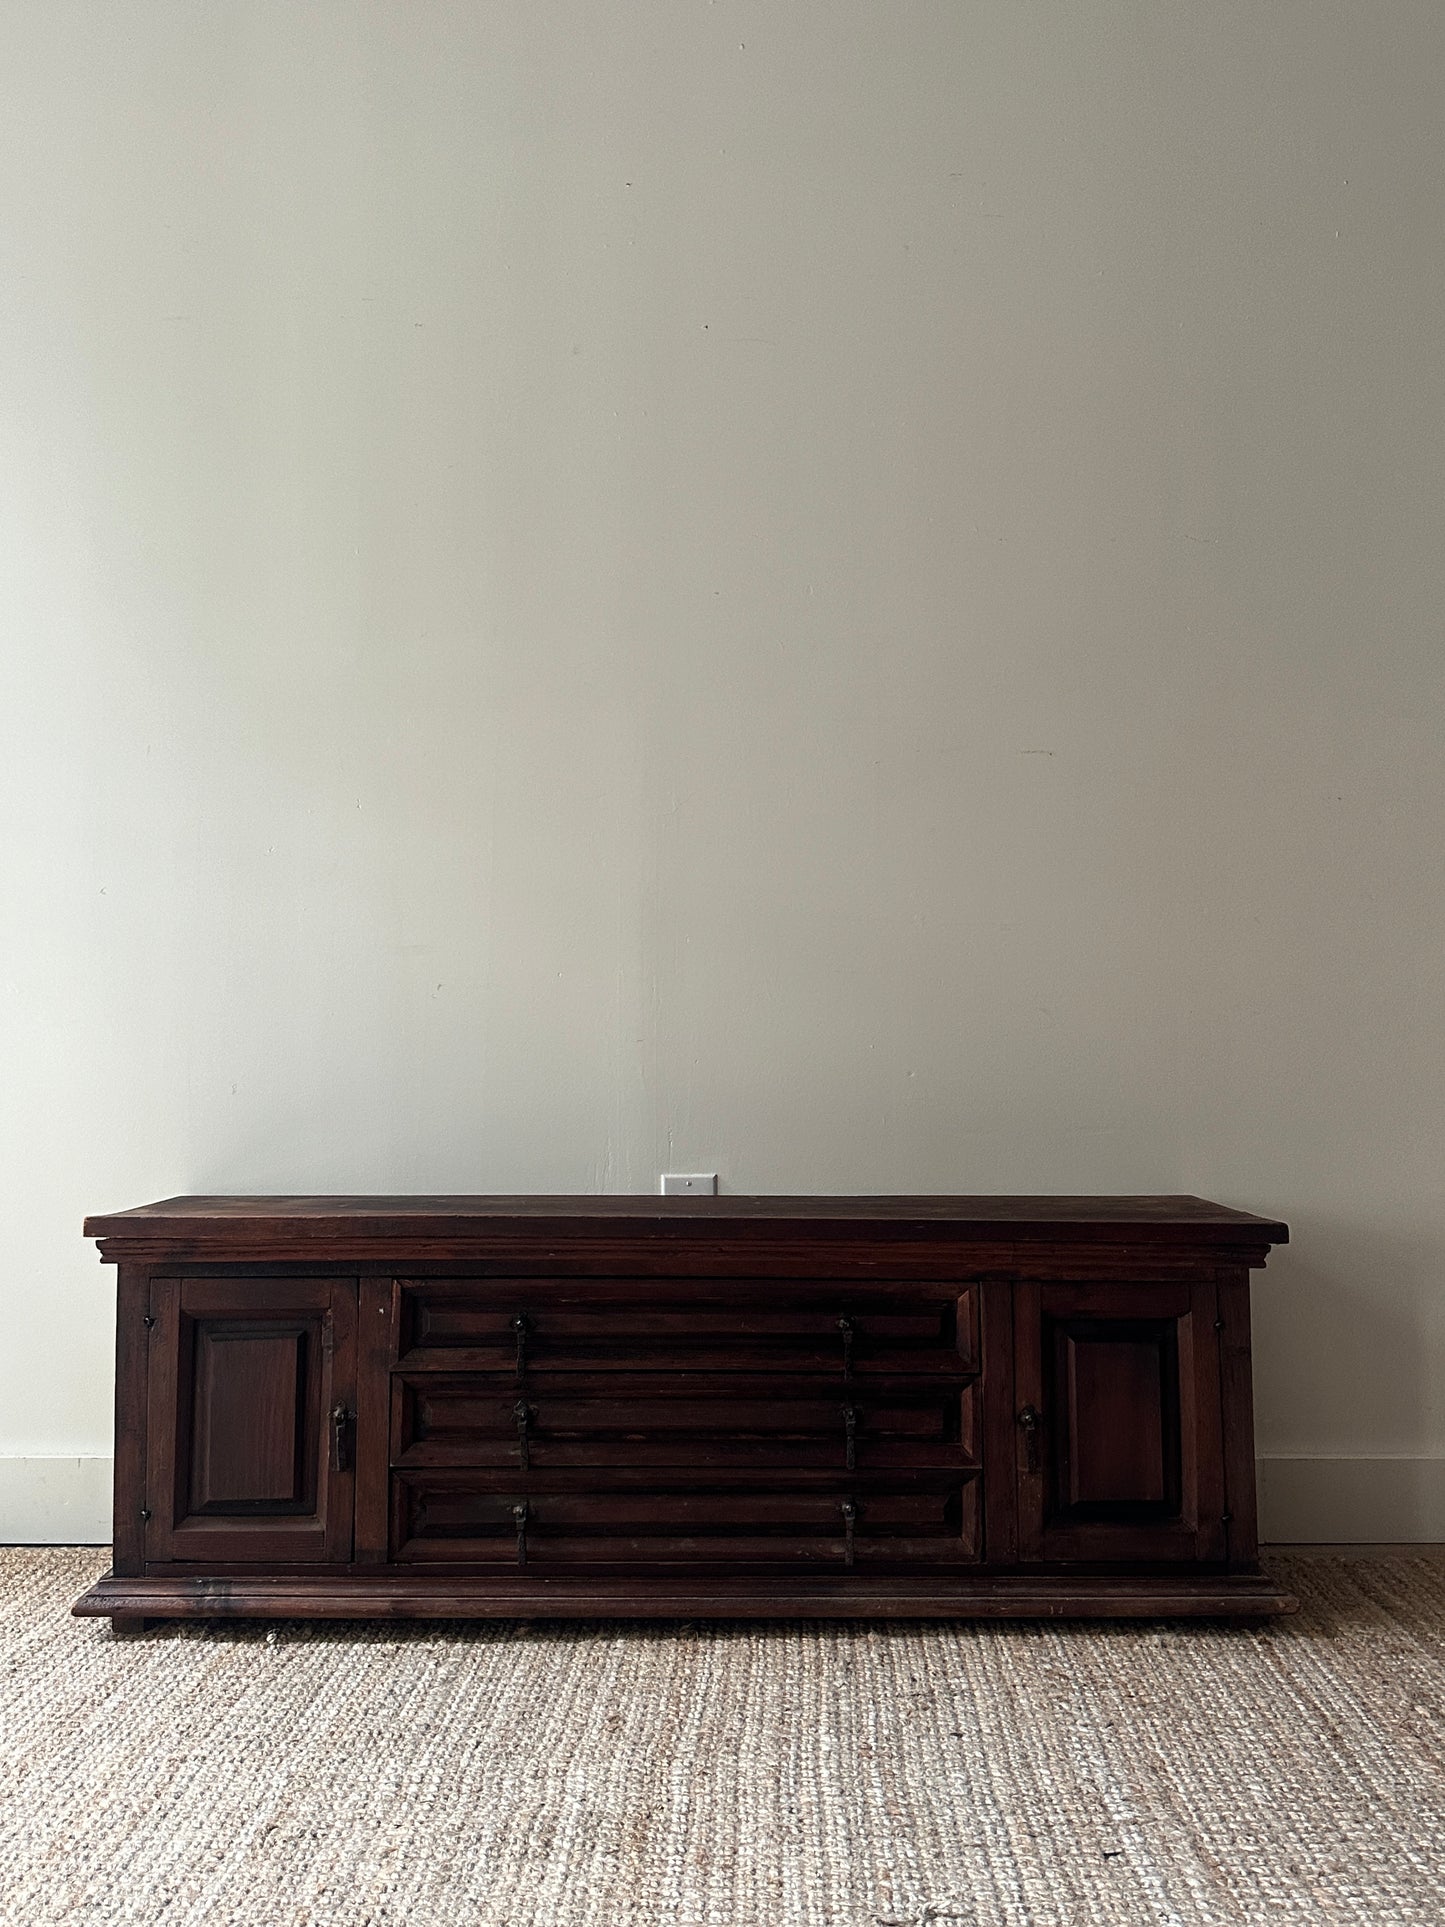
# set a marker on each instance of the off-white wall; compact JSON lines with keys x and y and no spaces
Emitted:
{"x":846,"y":592}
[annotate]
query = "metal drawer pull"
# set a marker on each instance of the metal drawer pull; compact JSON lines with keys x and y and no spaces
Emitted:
{"x":850,"y":1515}
{"x":340,"y":1419}
{"x":521,"y":1513}
{"x":845,"y":1327}
{"x":850,"y":1435}
{"x":522,"y":1413}
{"x":521,"y":1328}
{"x":1031,"y":1420}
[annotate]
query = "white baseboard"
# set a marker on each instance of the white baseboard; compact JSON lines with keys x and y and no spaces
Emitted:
{"x":53,"y":1501}
{"x":1348,"y":1501}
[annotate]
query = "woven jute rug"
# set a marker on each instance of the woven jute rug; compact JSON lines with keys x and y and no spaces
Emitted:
{"x":726,"y":1775}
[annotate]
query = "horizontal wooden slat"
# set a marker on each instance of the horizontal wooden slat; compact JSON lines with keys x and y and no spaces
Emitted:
{"x":441,"y":1515}
{"x":672,"y":1420}
{"x":673,"y":1324}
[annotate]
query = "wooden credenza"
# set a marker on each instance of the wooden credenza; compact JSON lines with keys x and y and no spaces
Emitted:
{"x":529,"y":1406}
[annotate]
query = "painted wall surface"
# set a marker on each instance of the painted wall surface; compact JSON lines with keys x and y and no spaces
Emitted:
{"x":845,"y":592}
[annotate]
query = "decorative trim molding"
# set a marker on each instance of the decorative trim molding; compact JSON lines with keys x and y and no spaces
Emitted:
{"x":55,"y":1501}
{"x":1351,"y":1501}
{"x":1302,"y":1501}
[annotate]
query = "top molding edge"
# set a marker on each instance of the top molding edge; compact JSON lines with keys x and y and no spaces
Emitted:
{"x":314,"y":1220}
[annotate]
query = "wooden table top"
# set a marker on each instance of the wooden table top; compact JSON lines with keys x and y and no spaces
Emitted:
{"x":1111,"y":1220}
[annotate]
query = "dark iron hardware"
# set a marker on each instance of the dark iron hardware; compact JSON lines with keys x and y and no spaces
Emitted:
{"x":148,"y":1322}
{"x":850,"y":1518}
{"x":845,"y":1328}
{"x":145,"y":1512}
{"x":1031,"y":1421}
{"x":522,"y":1512}
{"x":850,"y":1435}
{"x":340,"y":1419}
{"x":522,"y":1413}
{"x":521,"y":1328}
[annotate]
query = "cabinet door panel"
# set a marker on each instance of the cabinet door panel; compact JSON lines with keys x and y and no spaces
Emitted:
{"x":1119,"y":1457}
{"x":246,"y":1460}
{"x":1119,"y":1440}
{"x":249,"y":1413}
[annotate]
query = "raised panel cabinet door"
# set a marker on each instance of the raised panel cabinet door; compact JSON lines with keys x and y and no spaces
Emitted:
{"x":1118,"y":1422}
{"x":251,"y":1419}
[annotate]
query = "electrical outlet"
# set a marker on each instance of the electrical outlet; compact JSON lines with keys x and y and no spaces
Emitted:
{"x":689,"y":1184}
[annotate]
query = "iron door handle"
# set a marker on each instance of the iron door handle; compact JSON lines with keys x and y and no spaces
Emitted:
{"x":522,"y":1513}
{"x":522,"y":1413}
{"x":340,"y":1421}
{"x":521,"y":1328}
{"x":849,"y":1511}
{"x":1032,"y":1422}
{"x":845,"y":1332}
{"x":850,"y":1436}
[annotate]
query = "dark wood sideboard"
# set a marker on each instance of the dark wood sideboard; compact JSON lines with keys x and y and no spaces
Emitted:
{"x":552,"y":1407}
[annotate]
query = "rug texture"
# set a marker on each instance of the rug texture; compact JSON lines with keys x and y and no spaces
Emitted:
{"x":724,"y":1775}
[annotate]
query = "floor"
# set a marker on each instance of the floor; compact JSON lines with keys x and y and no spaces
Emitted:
{"x":781,"y":1775}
